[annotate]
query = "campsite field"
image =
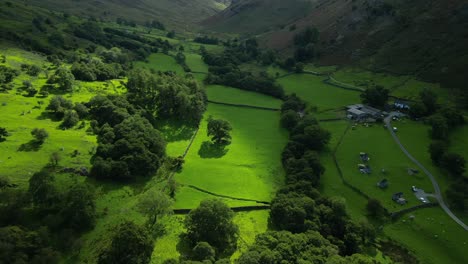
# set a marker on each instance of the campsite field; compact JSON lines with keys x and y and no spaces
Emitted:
{"x":312,"y":89}
{"x":384,"y":154}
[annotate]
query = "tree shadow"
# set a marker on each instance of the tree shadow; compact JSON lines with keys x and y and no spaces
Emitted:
{"x":32,"y":145}
{"x":184,"y":247}
{"x":209,"y":150}
{"x":175,"y":131}
{"x":45,"y":115}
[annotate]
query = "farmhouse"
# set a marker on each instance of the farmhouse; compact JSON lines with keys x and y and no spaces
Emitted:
{"x":398,"y":198}
{"x":399,"y":104}
{"x":360,"y":112}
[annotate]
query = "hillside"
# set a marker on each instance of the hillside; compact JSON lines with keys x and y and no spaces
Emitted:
{"x":177,"y":13}
{"x":403,"y":37}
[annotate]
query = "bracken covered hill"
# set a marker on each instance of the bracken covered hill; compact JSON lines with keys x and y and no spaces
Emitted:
{"x":427,"y":38}
{"x":173,"y":12}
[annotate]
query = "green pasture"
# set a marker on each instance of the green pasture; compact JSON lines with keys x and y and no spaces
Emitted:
{"x":225,"y":94}
{"x":248,"y":168}
{"x":431,"y":235}
{"x":313,"y":90}
{"x":195,"y":62}
{"x":161,"y":62}
{"x":412,"y":88}
{"x":415,"y":137}
{"x":361,"y":78}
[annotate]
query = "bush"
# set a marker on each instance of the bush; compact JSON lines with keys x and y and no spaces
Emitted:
{"x":40,"y":134}
{"x":70,"y":119}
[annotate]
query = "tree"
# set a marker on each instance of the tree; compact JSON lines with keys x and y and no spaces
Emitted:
{"x":3,"y":134}
{"x":313,"y":137}
{"x":429,"y":100}
{"x":43,"y":191}
{"x":375,"y":208}
{"x":154,"y":204}
{"x":439,"y":127}
{"x":63,"y":78}
{"x":130,"y":244}
{"x":58,"y":105}
{"x":292,"y":212}
{"x":55,"y":158}
{"x":212,"y":222}
{"x":454,"y":163}
{"x":40,"y":135}
{"x":376,"y":96}
{"x":203,"y":251}
{"x":437,"y":150}
{"x":70,"y":119}
{"x":20,"y":245}
{"x":219,"y":131}
{"x":79,"y":208}
{"x":289,"y":119}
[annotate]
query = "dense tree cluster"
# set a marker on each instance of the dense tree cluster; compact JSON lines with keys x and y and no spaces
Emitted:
{"x":224,"y":69}
{"x":167,"y":96}
{"x":305,"y":42}
{"x":95,"y":70}
{"x":206,"y":40}
{"x":63,"y":78}
{"x":376,"y":96}
{"x":313,"y":228}
{"x":58,"y":214}
{"x":212,"y":222}
{"x":307,"y":247}
{"x":64,"y":109}
{"x":6,"y":77}
{"x":129,"y":146}
{"x":129,"y":243}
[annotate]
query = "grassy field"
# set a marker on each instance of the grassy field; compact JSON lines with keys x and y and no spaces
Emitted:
{"x":231,"y":95}
{"x":312,"y":89}
{"x":399,"y":86}
{"x":248,"y":168}
{"x":195,"y":62}
{"x":161,"y":62}
{"x":432,"y":236}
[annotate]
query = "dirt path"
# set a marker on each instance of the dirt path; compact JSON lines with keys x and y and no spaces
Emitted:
{"x":438,"y":193}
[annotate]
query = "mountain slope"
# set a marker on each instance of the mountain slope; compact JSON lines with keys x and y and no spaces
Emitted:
{"x":425,"y":38}
{"x":180,"y":12}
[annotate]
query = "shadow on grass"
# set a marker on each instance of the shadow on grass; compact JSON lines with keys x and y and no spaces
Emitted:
{"x":175,"y":131}
{"x":209,"y":150}
{"x":45,"y":115}
{"x":32,"y":145}
{"x":184,"y":247}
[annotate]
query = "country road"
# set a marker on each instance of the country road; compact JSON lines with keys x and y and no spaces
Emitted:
{"x":438,"y":193}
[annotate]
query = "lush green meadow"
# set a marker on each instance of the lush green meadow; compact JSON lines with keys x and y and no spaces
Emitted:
{"x":195,"y":63}
{"x":224,"y":94}
{"x":431,"y":235}
{"x":248,"y":168}
{"x":161,"y":62}
{"x":312,"y":89}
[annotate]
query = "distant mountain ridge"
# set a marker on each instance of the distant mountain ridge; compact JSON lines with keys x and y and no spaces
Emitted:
{"x":173,"y":12}
{"x":421,"y":37}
